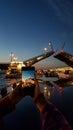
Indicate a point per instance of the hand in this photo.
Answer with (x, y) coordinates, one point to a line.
(39, 98)
(37, 89)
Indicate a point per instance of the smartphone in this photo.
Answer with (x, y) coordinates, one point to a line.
(28, 82)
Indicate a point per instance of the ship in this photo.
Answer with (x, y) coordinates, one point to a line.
(13, 71)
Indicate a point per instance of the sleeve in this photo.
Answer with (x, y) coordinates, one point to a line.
(52, 119)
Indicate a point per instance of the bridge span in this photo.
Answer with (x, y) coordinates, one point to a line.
(65, 57)
(38, 58)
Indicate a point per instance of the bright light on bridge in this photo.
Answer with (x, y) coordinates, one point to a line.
(49, 43)
(45, 49)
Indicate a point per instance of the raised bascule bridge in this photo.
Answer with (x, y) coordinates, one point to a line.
(65, 57)
(38, 58)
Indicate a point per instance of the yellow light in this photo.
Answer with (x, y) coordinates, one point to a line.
(48, 93)
(19, 66)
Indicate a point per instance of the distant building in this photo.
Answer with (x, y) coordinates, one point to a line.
(63, 69)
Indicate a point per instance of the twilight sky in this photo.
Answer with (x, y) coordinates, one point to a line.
(27, 26)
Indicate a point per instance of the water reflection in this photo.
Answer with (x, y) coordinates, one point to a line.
(60, 93)
(48, 87)
(56, 87)
(64, 82)
(60, 90)
(25, 116)
(8, 88)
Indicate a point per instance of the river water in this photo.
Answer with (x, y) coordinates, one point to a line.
(59, 92)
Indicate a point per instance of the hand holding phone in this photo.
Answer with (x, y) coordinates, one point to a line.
(28, 82)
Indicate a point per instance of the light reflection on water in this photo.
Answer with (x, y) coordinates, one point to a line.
(25, 116)
(6, 85)
(59, 92)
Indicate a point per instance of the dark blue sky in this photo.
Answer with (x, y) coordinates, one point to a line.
(27, 26)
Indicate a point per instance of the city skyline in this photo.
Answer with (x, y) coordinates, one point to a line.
(27, 27)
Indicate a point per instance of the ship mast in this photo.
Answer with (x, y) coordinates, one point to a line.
(11, 56)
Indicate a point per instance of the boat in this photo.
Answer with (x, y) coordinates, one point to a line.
(13, 71)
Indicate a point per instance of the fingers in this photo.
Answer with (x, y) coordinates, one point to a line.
(37, 89)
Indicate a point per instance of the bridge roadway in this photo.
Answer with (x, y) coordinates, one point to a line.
(65, 57)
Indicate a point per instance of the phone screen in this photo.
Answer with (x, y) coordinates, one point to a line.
(28, 83)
